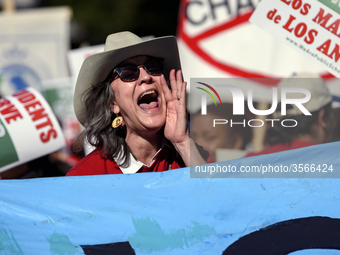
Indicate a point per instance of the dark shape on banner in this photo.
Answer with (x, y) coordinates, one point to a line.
(288, 236)
(121, 248)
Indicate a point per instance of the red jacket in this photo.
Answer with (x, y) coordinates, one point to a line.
(166, 159)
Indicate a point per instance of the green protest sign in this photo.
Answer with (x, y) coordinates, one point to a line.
(28, 128)
(333, 4)
(8, 153)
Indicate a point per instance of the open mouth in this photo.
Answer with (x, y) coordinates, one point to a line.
(148, 100)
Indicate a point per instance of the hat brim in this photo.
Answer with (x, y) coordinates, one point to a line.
(97, 67)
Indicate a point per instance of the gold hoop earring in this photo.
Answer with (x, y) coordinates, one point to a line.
(117, 121)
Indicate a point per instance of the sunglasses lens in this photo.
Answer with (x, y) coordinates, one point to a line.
(128, 72)
(155, 66)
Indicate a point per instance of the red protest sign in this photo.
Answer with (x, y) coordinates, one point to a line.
(220, 37)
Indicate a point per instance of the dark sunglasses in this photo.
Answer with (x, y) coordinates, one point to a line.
(130, 72)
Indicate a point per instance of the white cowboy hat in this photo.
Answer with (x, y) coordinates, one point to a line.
(320, 95)
(119, 47)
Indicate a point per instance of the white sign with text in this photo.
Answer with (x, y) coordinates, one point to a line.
(28, 128)
(308, 26)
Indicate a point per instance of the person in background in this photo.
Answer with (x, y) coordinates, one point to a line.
(129, 114)
(336, 130)
(310, 129)
(235, 138)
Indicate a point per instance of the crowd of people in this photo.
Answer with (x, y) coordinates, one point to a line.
(308, 130)
(131, 100)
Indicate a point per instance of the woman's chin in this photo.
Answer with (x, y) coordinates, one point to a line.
(155, 125)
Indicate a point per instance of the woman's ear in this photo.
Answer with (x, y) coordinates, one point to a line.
(114, 107)
(321, 118)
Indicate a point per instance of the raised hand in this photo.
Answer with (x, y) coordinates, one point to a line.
(176, 125)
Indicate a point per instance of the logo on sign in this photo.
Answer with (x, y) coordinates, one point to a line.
(21, 69)
(238, 99)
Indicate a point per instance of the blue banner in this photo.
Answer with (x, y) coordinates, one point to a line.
(171, 213)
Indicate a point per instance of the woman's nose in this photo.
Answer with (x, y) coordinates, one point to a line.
(144, 76)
